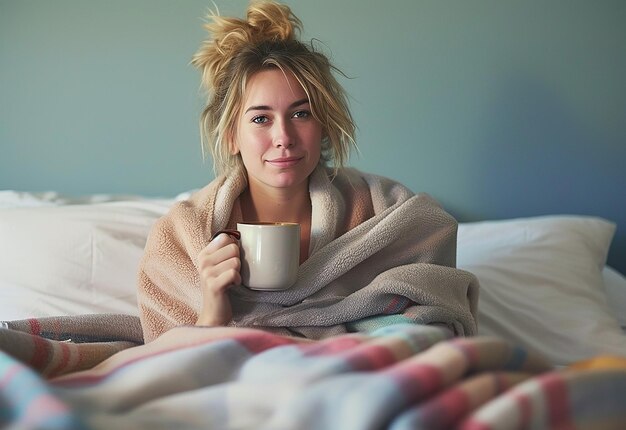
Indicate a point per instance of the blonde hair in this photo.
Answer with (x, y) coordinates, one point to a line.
(237, 49)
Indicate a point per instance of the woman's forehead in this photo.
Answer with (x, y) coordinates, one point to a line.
(273, 87)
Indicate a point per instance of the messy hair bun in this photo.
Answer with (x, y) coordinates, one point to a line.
(238, 48)
(265, 22)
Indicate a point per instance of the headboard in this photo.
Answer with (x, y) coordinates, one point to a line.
(499, 110)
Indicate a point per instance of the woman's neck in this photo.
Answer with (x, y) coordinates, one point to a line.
(275, 205)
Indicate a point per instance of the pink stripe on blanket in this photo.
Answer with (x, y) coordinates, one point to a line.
(446, 410)
(555, 393)
(35, 326)
(44, 409)
(557, 398)
(449, 408)
(63, 362)
(469, 350)
(40, 345)
(41, 351)
(371, 357)
(475, 425)
(332, 346)
(354, 350)
(258, 341)
(418, 381)
(396, 305)
(9, 374)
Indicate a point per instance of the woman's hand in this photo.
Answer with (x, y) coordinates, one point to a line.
(218, 267)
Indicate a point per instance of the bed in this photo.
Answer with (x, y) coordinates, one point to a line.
(551, 349)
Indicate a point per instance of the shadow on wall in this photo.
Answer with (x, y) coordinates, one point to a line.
(539, 156)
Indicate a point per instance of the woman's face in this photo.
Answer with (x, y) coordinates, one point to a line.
(277, 136)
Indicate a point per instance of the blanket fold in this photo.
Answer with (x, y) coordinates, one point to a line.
(376, 248)
(58, 345)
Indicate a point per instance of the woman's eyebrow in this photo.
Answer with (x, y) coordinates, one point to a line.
(266, 107)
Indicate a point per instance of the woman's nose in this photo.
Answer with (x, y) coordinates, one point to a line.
(283, 135)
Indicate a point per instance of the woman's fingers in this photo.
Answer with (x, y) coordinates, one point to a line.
(219, 264)
(222, 248)
(223, 274)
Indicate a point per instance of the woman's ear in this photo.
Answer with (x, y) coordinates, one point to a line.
(233, 147)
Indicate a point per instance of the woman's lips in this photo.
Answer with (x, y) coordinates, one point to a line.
(284, 161)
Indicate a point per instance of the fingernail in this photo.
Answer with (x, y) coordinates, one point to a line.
(231, 233)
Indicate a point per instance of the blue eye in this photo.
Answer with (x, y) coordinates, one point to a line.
(301, 114)
(261, 119)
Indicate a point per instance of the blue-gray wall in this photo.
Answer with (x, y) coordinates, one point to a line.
(497, 108)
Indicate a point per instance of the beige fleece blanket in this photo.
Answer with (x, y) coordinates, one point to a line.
(379, 254)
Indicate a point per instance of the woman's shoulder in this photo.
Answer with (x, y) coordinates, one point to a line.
(382, 189)
(356, 177)
(349, 172)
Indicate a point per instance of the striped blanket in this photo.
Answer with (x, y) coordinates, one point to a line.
(403, 376)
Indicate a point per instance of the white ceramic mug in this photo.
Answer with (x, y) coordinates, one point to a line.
(270, 254)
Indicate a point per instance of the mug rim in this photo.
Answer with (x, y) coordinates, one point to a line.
(268, 224)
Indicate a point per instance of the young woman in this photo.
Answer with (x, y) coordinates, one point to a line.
(279, 129)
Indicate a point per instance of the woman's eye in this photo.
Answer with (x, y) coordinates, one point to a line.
(261, 119)
(301, 114)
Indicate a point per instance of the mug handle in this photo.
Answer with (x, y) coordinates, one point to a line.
(232, 233)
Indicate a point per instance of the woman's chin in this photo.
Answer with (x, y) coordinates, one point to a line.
(287, 180)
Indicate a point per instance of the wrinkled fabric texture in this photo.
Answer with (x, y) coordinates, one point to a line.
(400, 377)
(376, 249)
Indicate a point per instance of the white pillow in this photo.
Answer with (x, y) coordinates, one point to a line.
(73, 259)
(541, 284)
(22, 199)
(615, 286)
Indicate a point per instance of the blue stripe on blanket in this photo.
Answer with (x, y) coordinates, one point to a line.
(370, 324)
(518, 357)
(26, 401)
